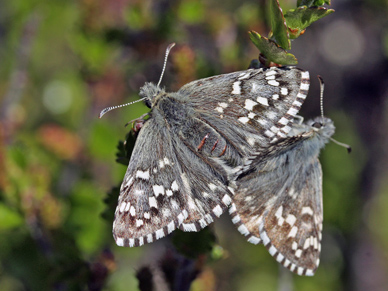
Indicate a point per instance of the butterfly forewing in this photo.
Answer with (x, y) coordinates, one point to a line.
(151, 203)
(169, 184)
(251, 108)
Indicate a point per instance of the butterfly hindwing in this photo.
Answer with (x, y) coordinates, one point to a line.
(278, 201)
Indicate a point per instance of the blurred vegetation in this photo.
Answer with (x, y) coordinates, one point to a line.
(64, 61)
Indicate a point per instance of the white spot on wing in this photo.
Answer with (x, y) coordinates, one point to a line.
(189, 227)
(272, 250)
(265, 238)
(251, 115)
(174, 186)
(152, 202)
(217, 211)
(249, 104)
(171, 227)
(251, 141)
(212, 186)
(269, 133)
(283, 121)
(307, 210)
(243, 76)
(262, 101)
(279, 257)
(181, 218)
(232, 208)
(273, 83)
(236, 88)
(159, 233)
(236, 219)
(255, 88)
(278, 215)
(120, 242)
(158, 190)
(174, 204)
(254, 240)
(306, 244)
(219, 109)
(293, 231)
(141, 241)
(309, 272)
(226, 199)
(122, 206)
(300, 271)
(270, 72)
(292, 111)
(304, 86)
(132, 211)
(243, 230)
(143, 175)
(243, 120)
(131, 242)
(291, 219)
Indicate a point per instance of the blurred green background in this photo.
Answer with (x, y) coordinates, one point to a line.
(61, 62)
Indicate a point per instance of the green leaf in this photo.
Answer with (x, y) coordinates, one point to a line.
(299, 19)
(9, 218)
(271, 50)
(278, 25)
(310, 3)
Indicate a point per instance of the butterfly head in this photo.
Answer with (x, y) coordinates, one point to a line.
(149, 92)
(323, 126)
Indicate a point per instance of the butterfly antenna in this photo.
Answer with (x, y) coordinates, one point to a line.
(346, 146)
(170, 46)
(322, 85)
(102, 113)
(321, 104)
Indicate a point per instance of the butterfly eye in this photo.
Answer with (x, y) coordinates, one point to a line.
(147, 102)
(317, 125)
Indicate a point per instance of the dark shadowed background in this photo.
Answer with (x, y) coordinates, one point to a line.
(61, 62)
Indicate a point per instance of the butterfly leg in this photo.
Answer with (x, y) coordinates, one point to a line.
(298, 119)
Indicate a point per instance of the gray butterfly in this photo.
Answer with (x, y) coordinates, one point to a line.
(186, 151)
(279, 197)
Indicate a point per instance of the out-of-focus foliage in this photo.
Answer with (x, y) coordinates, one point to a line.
(64, 61)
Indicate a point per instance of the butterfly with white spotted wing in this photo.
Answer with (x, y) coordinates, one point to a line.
(188, 149)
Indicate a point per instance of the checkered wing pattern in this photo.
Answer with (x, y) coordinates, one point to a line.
(164, 187)
(279, 197)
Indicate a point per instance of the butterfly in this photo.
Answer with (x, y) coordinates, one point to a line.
(279, 198)
(188, 149)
